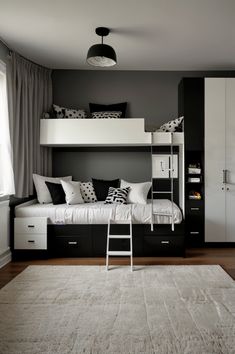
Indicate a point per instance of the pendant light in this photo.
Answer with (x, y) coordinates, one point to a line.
(102, 55)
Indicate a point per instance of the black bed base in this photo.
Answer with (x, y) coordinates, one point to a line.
(90, 240)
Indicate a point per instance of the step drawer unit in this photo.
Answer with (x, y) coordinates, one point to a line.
(195, 223)
(30, 233)
(163, 241)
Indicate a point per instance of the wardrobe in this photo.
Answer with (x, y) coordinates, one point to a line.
(208, 107)
(219, 159)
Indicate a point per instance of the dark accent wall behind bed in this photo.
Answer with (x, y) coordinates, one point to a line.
(152, 95)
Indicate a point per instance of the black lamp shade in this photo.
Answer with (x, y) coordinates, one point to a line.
(101, 55)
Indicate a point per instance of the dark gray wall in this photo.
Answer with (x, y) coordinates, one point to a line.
(106, 164)
(152, 95)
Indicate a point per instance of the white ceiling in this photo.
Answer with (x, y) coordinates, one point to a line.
(146, 34)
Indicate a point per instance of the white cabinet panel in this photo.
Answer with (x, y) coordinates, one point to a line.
(161, 166)
(230, 159)
(214, 159)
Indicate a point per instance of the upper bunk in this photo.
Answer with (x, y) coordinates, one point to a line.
(102, 132)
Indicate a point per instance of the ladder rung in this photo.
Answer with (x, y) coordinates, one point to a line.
(161, 214)
(162, 192)
(119, 253)
(119, 236)
(120, 222)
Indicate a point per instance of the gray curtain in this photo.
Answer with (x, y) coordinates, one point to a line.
(29, 95)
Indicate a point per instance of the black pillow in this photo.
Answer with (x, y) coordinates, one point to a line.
(95, 107)
(56, 192)
(101, 187)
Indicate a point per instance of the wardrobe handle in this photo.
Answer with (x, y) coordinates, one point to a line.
(195, 209)
(225, 176)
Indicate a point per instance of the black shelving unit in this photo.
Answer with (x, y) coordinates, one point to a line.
(191, 106)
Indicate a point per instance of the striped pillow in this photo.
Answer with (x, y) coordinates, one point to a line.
(117, 195)
(106, 115)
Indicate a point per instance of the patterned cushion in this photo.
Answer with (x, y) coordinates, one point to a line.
(88, 192)
(171, 126)
(117, 195)
(58, 111)
(95, 107)
(73, 113)
(106, 114)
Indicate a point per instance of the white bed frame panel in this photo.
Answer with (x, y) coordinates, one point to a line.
(118, 132)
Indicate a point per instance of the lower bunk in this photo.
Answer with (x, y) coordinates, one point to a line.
(81, 230)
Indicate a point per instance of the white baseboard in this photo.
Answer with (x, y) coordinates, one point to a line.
(5, 258)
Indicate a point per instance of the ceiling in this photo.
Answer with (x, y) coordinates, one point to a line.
(146, 34)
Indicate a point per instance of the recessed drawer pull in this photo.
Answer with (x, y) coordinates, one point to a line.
(165, 242)
(195, 209)
(32, 226)
(31, 241)
(194, 232)
(72, 242)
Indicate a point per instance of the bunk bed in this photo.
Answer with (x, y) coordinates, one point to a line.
(81, 230)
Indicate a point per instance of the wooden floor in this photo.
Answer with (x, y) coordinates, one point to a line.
(222, 256)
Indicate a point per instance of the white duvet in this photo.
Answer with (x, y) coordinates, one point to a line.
(99, 213)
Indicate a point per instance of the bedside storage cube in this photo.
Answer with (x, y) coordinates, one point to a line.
(30, 233)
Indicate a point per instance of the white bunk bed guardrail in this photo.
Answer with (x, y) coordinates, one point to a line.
(110, 132)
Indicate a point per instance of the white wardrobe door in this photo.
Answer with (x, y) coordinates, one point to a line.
(230, 160)
(214, 159)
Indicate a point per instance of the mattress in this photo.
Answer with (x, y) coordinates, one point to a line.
(99, 213)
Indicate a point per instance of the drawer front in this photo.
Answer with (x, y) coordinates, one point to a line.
(194, 210)
(30, 242)
(30, 226)
(71, 246)
(195, 234)
(163, 246)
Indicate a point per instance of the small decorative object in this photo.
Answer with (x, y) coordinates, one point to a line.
(195, 195)
(194, 169)
(102, 55)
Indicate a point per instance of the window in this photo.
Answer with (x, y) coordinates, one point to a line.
(6, 171)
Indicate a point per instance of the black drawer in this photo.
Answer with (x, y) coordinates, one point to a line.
(71, 246)
(194, 210)
(163, 246)
(99, 239)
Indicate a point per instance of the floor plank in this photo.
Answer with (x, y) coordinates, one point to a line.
(200, 256)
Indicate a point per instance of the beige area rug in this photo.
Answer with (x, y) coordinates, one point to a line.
(155, 309)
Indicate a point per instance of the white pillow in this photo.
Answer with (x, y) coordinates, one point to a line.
(43, 193)
(72, 192)
(138, 191)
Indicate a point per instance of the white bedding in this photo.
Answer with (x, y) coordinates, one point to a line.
(99, 213)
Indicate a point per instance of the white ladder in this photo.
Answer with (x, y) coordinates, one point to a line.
(120, 237)
(171, 191)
